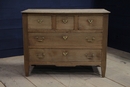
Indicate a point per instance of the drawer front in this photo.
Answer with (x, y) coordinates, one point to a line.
(91, 22)
(39, 21)
(64, 40)
(64, 55)
(65, 22)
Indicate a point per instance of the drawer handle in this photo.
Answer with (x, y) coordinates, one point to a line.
(39, 21)
(41, 56)
(65, 21)
(90, 21)
(65, 53)
(39, 39)
(90, 56)
(90, 40)
(65, 37)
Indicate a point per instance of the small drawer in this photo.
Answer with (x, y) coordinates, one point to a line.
(82, 55)
(55, 55)
(39, 21)
(64, 22)
(65, 40)
(91, 22)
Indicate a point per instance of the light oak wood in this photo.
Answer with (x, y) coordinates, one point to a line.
(25, 42)
(66, 63)
(91, 21)
(67, 55)
(65, 11)
(64, 31)
(65, 37)
(76, 22)
(104, 45)
(64, 22)
(39, 21)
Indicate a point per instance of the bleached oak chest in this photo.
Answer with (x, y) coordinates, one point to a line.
(65, 37)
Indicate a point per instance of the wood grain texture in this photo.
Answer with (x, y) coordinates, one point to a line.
(66, 55)
(76, 22)
(65, 37)
(65, 22)
(64, 31)
(25, 42)
(39, 21)
(91, 21)
(65, 11)
(104, 41)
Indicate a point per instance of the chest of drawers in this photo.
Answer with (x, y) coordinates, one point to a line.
(65, 37)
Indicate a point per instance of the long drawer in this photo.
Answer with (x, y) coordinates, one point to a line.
(72, 40)
(55, 55)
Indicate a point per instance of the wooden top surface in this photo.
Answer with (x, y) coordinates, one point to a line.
(65, 11)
